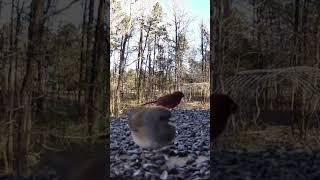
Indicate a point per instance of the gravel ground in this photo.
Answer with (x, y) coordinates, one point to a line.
(47, 176)
(274, 163)
(188, 158)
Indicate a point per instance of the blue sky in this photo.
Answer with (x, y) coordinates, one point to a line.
(199, 8)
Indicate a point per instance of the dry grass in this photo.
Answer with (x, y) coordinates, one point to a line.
(271, 135)
(183, 104)
(195, 105)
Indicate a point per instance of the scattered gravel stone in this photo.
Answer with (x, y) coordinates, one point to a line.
(35, 177)
(164, 175)
(269, 164)
(188, 158)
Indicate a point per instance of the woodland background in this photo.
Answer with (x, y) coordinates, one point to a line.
(266, 55)
(53, 77)
(152, 52)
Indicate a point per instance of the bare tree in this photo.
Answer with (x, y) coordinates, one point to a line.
(82, 54)
(24, 124)
(180, 23)
(88, 61)
(96, 90)
(221, 11)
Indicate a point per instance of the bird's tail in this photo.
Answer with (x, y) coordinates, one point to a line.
(149, 102)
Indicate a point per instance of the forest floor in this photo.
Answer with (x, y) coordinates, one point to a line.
(58, 165)
(193, 104)
(58, 142)
(260, 138)
(272, 153)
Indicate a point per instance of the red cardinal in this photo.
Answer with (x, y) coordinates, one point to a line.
(169, 101)
(223, 107)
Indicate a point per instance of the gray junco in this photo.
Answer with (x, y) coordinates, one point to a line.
(151, 127)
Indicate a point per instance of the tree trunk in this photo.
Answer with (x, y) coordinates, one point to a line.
(221, 11)
(202, 53)
(139, 63)
(96, 90)
(177, 54)
(120, 74)
(88, 62)
(106, 81)
(10, 93)
(24, 124)
(82, 56)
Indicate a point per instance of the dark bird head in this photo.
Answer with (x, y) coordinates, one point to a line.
(178, 94)
(222, 107)
(221, 101)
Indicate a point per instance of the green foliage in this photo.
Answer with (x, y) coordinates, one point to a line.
(125, 23)
(156, 13)
(183, 43)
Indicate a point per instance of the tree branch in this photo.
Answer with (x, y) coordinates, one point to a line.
(62, 9)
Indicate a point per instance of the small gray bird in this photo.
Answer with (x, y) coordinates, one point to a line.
(151, 127)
